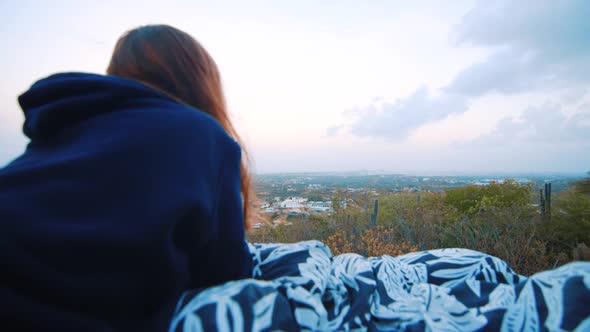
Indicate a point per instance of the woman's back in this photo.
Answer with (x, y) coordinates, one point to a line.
(123, 199)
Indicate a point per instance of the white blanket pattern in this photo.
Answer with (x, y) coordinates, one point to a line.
(301, 286)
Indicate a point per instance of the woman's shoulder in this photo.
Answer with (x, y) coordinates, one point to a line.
(165, 130)
(174, 120)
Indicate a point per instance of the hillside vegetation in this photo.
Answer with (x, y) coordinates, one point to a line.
(500, 219)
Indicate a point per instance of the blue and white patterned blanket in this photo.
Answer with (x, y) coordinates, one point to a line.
(301, 286)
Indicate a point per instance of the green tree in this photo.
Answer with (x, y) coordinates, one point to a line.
(570, 219)
(473, 199)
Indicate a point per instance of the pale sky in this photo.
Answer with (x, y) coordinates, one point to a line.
(334, 85)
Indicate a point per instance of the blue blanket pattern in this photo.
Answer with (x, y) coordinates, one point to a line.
(301, 286)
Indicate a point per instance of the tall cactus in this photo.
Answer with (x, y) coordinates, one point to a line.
(548, 198)
(545, 200)
(542, 201)
(374, 214)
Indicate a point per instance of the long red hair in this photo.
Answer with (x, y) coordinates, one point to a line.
(173, 62)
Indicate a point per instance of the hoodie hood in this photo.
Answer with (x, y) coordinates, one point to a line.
(61, 100)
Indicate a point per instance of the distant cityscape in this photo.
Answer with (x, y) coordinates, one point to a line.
(285, 195)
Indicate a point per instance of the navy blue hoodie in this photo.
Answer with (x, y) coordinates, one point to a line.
(123, 199)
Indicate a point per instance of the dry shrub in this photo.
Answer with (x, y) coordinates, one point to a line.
(383, 241)
(373, 242)
(508, 233)
(341, 242)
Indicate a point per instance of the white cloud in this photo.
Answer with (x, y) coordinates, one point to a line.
(537, 49)
(542, 126)
(540, 44)
(397, 119)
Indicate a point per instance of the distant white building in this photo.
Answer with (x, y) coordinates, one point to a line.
(320, 206)
(293, 203)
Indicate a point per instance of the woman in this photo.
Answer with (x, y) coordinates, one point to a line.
(130, 192)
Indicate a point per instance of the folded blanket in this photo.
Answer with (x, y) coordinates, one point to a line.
(301, 286)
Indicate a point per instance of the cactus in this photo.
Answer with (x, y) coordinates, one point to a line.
(548, 198)
(374, 214)
(542, 201)
(545, 199)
